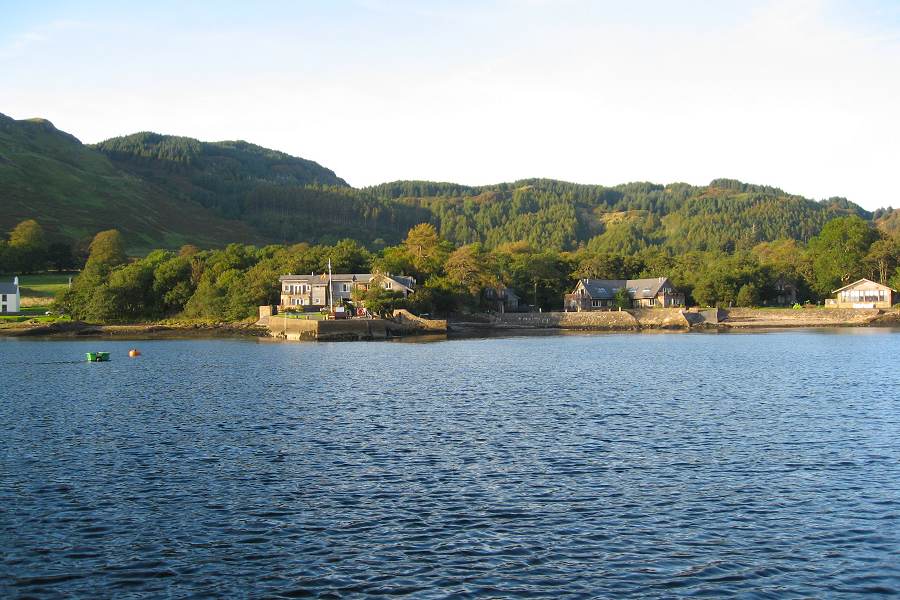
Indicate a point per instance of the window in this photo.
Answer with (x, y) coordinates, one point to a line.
(345, 287)
(596, 303)
(652, 301)
(3, 298)
(387, 285)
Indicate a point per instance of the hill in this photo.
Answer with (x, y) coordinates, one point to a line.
(164, 191)
(75, 191)
(283, 198)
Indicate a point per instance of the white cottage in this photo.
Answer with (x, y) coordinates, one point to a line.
(9, 296)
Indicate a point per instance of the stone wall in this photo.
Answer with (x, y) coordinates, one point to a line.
(348, 329)
(802, 317)
(406, 318)
(292, 329)
(614, 320)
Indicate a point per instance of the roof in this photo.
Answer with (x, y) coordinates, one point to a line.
(864, 280)
(8, 288)
(363, 277)
(605, 289)
(408, 282)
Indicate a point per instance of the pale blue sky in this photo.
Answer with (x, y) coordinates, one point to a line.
(801, 94)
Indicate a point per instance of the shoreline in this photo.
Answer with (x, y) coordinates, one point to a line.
(662, 320)
(79, 329)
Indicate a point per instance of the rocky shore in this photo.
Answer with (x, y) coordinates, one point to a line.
(78, 329)
(686, 320)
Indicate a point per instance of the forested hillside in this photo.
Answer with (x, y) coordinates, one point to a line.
(725, 215)
(164, 191)
(75, 191)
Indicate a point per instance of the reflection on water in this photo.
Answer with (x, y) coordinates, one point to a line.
(568, 465)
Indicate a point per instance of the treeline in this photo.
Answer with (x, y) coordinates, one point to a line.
(725, 216)
(28, 250)
(229, 284)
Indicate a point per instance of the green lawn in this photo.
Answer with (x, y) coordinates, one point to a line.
(44, 285)
(36, 314)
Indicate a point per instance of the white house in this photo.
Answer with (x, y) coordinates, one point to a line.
(9, 296)
(312, 289)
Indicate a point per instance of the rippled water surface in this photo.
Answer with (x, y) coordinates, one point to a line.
(654, 465)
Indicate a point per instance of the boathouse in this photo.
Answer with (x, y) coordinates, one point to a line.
(864, 293)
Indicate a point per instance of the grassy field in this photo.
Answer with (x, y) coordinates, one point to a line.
(35, 314)
(40, 290)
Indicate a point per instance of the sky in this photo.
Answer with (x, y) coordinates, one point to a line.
(799, 94)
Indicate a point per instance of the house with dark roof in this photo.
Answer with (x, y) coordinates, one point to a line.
(863, 293)
(501, 298)
(9, 296)
(315, 290)
(600, 294)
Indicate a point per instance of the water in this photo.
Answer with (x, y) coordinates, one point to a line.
(653, 465)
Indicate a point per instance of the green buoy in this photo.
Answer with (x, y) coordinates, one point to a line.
(97, 356)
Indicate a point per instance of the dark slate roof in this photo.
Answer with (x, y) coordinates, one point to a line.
(409, 282)
(8, 287)
(605, 289)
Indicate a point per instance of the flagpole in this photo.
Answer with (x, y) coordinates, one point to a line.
(330, 287)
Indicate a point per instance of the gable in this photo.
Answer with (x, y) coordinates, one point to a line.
(864, 284)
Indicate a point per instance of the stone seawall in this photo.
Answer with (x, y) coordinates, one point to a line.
(675, 318)
(801, 317)
(350, 329)
(613, 320)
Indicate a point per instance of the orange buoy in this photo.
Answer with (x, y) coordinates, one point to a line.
(134, 352)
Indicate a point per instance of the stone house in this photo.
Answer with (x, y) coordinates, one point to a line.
(501, 298)
(599, 294)
(313, 290)
(864, 293)
(785, 292)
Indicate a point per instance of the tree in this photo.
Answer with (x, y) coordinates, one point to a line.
(379, 301)
(427, 251)
(27, 250)
(882, 258)
(28, 234)
(748, 295)
(468, 268)
(107, 250)
(622, 299)
(348, 256)
(838, 252)
(61, 257)
(601, 266)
